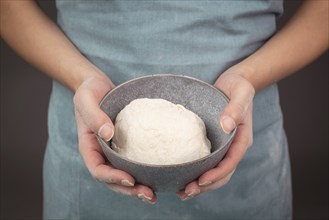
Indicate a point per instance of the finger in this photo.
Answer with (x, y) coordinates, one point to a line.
(193, 189)
(217, 184)
(182, 195)
(92, 155)
(241, 93)
(141, 192)
(100, 171)
(240, 144)
(87, 104)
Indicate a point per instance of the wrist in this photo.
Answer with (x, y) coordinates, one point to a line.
(254, 70)
(85, 74)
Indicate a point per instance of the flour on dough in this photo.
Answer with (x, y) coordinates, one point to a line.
(158, 132)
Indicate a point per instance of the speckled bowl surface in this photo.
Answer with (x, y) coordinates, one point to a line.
(201, 98)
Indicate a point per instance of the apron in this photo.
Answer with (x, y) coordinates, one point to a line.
(201, 39)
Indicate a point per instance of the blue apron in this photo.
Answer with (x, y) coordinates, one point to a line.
(128, 39)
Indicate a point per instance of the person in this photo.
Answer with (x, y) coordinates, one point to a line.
(231, 44)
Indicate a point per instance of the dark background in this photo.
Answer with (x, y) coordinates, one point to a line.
(24, 103)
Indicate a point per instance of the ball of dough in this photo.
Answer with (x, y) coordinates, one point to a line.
(158, 132)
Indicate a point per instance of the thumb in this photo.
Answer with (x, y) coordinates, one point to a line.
(241, 94)
(87, 106)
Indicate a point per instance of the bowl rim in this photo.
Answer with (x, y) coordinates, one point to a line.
(232, 134)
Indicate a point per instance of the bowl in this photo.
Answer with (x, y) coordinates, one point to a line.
(200, 97)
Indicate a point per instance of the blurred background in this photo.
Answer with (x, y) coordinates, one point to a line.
(24, 103)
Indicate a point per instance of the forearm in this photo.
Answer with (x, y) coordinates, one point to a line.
(40, 42)
(302, 40)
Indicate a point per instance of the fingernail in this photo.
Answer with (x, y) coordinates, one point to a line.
(126, 183)
(193, 192)
(182, 197)
(145, 198)
(228, 124)
(205, 183)
(106, 132)
(186, 198)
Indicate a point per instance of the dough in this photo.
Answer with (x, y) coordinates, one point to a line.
(158, 132)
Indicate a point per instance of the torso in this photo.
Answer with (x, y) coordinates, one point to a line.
(127, 39)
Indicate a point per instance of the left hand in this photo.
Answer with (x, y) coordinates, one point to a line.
(238, 113)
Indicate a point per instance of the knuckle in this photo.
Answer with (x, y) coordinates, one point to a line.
(239, 107)
(238, 111)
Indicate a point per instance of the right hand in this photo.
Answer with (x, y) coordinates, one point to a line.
(91, 120)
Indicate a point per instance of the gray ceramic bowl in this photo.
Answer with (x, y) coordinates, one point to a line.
(197, 96)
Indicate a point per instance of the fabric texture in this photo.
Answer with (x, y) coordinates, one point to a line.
(128, 39)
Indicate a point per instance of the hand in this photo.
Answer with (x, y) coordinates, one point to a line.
(90, 120)
(237, 113)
